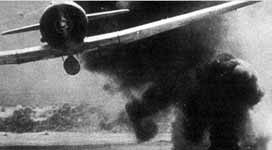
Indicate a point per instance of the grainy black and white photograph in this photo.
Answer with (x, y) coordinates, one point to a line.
(136, 75)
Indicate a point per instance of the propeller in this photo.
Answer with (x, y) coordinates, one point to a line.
(63, 25)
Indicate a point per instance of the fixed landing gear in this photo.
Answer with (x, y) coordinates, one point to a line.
(71, 65)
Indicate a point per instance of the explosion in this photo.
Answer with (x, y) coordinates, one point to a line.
(227, 89)
(181, 68)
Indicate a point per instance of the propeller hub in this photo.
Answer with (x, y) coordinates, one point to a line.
(63, 24)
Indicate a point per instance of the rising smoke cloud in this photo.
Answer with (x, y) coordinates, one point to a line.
(165, 64)
(158, 59)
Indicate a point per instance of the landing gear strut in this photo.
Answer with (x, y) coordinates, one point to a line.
(71, 65)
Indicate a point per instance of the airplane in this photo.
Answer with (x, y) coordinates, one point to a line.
(63, 28)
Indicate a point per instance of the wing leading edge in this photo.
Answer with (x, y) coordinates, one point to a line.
(29, 54)
(147, 30)
(120, 37)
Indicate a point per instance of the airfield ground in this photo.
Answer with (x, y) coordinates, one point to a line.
(80, 141)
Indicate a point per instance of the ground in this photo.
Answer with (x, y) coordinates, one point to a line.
(80, 141)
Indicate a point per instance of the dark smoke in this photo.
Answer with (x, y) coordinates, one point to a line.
(164, 61)
(168, 64)
(226, 89)
(162, 58)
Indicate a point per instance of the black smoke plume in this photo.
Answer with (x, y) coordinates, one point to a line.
(164, 61)
(226, 89)
(167, 62)
(160, 59)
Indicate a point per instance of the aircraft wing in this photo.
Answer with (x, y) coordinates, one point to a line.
(29, 54)
(22, 29)
(94, 16)
(147, 30)
(120, 37)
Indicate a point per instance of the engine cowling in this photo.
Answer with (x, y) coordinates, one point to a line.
(63, 26)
